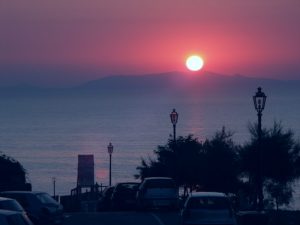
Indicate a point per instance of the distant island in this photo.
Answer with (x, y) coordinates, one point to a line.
(204, 83)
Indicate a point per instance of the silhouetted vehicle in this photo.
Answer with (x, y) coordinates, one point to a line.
(124, 196)
(8, 217)
(157, 192)
(39, 206)
(204, 208)
(104, 202)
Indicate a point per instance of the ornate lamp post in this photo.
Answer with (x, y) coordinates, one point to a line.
(259, 100)
(174, 119)
(110, 149)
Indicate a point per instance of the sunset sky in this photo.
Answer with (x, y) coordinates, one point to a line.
(66, 42)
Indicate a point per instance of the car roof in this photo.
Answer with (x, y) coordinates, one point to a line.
(207, 194)
(8, 212)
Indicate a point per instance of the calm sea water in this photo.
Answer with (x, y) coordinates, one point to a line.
(46, 133)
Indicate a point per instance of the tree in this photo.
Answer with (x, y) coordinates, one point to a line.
(210, 166)
(280, 157)
(218, 164)
(221, 163)
(178, 160)
(12, 174)
(279, 193)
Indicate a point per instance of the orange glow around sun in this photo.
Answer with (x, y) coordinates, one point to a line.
(194, 63)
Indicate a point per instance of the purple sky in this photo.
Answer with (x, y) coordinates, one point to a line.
(65, 42)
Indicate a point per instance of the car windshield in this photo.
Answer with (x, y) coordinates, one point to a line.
(160, 183)
(11, 205)
(214, 203)
(46, 198)
(128, 188)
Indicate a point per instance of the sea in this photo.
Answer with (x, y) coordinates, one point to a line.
(47, 132)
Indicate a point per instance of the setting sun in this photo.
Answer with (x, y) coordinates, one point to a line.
(194, 63)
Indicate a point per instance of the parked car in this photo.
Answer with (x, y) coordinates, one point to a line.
(157, 192)
(11, 204)
(104, 202)
(8, 217)
(207, 208)
(124, 196)
(40, 206)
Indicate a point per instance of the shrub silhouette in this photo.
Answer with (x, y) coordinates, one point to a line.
(12, 175)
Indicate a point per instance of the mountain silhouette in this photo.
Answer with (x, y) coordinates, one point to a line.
(202, 83)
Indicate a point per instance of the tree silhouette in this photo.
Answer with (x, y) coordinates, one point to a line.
(12, 174)
(221, 163)
(178, 160)
(280, 161)
(218, 164)
(278, 193)
(211, 165)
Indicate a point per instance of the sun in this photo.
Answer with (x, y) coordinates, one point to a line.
(194, 63)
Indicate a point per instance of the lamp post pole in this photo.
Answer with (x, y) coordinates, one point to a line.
(110, 149)
(174, 119)
(259, 100)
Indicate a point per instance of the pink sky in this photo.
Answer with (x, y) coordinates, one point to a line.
(40, 40)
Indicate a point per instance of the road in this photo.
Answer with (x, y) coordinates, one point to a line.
(122, 218)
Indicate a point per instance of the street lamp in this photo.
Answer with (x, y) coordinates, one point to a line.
(259, 100)
(174, 119)
(110, 149)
